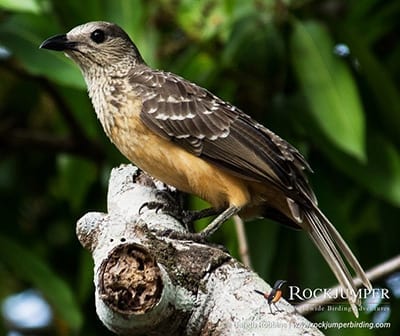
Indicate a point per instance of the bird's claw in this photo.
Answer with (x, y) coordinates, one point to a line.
(167, 204)
(152, 205)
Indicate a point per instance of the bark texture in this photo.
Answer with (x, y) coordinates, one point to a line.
(148, 283)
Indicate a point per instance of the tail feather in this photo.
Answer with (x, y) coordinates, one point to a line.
(345, 249)
(329, 242)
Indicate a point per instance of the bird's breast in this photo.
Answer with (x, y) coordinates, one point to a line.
(119, 115)
(171, 164)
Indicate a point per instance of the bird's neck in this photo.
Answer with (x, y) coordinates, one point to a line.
(99, 89)
(98, 74)
(108, 93)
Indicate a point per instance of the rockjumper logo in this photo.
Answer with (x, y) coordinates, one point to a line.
(274, 295)
(298, 294)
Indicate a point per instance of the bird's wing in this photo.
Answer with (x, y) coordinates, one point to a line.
(217, 131)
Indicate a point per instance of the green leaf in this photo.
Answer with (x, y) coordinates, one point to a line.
(23, 33)
(201, 61)
(380, 176)
(329, 88)
(262, 237)
(75, 177)
(31, 6)
(133, 17)
(35, 271)
(381, 83)
(204, 20)
(85, 277)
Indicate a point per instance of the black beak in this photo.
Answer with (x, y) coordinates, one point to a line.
(58, 42)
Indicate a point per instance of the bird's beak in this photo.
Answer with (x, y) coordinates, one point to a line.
(59, 43)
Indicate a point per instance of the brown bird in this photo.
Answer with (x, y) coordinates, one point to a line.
(187, 137)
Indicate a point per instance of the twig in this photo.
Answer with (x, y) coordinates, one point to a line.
(242, 241)
(11, 139)
(373, 274)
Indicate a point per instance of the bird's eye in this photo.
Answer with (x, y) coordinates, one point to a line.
(98, 36)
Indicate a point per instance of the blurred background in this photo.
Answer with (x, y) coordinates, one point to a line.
(325, 75)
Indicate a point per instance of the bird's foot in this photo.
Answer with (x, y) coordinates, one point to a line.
(277, 309)
(184, 217)
(197, 237)
(166, 203)
(203, 235)
(170, 207)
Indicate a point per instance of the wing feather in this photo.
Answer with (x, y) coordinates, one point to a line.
(219, 132)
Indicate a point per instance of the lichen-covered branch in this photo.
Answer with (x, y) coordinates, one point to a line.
(148, 283)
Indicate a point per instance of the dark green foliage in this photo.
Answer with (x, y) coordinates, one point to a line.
(273, 59)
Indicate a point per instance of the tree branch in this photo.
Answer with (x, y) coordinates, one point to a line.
(15, 138)
(242, 241)
(148, 283)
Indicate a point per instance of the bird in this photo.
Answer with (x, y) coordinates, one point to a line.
(187, 137)
(274, 295)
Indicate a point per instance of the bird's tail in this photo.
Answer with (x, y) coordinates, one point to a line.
(336, 252)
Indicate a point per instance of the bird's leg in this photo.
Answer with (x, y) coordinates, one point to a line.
(194, 215)
(190, 216)
(209, 230)
(218, 221)
(277, 309)
(187, 217)
(270, 309)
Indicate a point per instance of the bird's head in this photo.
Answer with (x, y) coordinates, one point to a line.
(96, 45)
